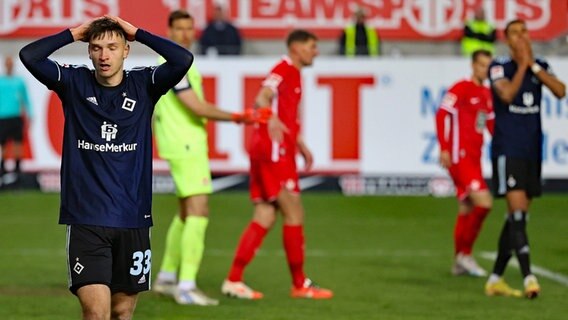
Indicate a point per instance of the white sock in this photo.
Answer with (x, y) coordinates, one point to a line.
(493, 278)
(185, 285)
(527, 278)
(167, 276)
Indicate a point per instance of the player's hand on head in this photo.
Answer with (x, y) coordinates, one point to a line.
(79, 31)
(129, 29)
(276, 129)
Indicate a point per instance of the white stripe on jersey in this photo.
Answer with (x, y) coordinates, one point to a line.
(275, 152)
(67, 237)
(456, 137)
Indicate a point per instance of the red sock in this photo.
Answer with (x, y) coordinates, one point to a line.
(293, 237)
(475, 221)
(251, 240)
(459, 232)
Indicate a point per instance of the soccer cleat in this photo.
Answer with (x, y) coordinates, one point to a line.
(238, 289)
(457, 269)
(166, 288)
(501, 288)
(194, 297)
(468, 263)
(311, 291)
(532, 288)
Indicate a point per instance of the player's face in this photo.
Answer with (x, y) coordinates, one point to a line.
(107, 54)
(307, 51)
(182, 32)
(480, 67)
(517, 31)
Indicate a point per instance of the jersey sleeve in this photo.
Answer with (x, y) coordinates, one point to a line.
(275, 77)
(496, 72)
(443, 117)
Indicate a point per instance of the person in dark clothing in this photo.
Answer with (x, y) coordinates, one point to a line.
(220, 35)
(106, 166)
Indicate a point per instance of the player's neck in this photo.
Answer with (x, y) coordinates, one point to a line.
(476, 80)
(111, 81)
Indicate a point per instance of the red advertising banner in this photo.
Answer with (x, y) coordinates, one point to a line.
(394, 19)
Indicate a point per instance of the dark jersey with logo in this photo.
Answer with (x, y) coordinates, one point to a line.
(518, 129)
(106, 167)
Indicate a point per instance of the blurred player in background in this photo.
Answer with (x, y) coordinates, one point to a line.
(181, 135)
(106, 166)
(273, 174)
(465, 112)
(517, 82)
(13, 101)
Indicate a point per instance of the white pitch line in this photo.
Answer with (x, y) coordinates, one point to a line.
(538, 270)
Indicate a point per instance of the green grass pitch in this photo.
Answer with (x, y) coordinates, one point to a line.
(385, 258)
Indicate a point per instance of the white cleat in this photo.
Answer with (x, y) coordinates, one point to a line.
(166, 288)
(194, 297)
(457, 269)
(240, 290)
(468, 263)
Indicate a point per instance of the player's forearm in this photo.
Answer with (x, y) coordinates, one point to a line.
(557, 87)
(35, 55)
(507, 90)
(178, 59)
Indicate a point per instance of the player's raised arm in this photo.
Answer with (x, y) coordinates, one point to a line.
(557, 87)
(178, 59)
(35, 55)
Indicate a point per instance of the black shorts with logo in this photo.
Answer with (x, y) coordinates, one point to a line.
(117, 257)
(516, 174)
(11, 129)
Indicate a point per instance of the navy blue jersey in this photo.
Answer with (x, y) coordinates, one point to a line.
(106, 167)
(518, 129)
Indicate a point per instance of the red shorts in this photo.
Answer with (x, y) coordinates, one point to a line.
(267, 178)
(467, 177)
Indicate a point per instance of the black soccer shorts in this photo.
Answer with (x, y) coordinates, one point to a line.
(516, 174)
(117, 257)
(11, 129)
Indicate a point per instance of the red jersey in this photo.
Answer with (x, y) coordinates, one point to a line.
(286, 83)
(465, 112)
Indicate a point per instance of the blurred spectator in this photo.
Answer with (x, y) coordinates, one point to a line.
(13, 98)
(478, 34)
(220, 35)
(358, 38)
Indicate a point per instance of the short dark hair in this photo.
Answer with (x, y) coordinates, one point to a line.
(104, 26)
(178, 14)
(300, 35)
(480, 52)
(512, 22)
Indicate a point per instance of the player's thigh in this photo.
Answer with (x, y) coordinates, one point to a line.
(509, 174)
(195, 205)
(95, 300)
(264, 183)
(89, 256)
(132, 260)
(290, 204)
(123, 305)
(534, 179)
(191, 175)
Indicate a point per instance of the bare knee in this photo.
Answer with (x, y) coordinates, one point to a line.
(264, 214)
(95, 314)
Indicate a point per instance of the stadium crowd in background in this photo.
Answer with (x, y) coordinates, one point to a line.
(359, 39)
(220, 36)
(106, 166)
(516, 149)
(478, 34)
(274, 184)
(181, 135)
(14, 104)
(461, 120)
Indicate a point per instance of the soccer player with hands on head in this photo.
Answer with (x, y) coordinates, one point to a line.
(517, 81)
(461, 120)
(106, 167)
(274, 181)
